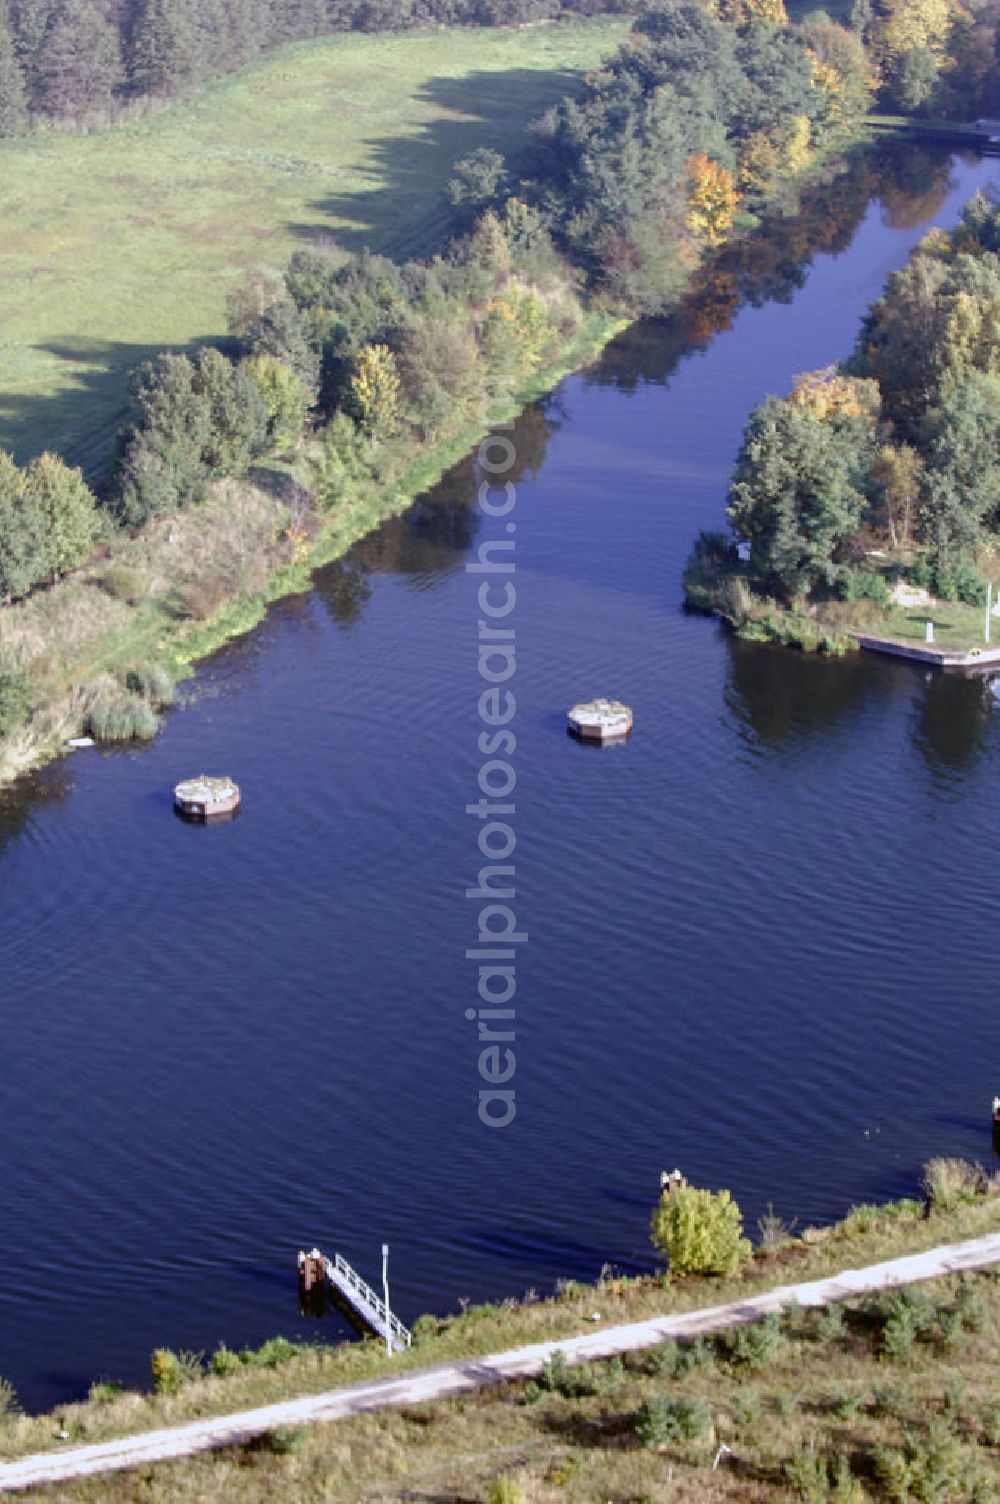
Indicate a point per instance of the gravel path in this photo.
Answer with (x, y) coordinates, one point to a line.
(449, 1379)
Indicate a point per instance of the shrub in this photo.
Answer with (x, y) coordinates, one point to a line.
(118, 715)
(555, 1374)
(713, 560)
(970, 1305)
(15, 698)
(664, 1420)
(951, 1182)
(860, 1222)
(774, 1231)
(696, 1356)
(786, 1404)
(864, 585)
(9, 1403)
(285, 1441)
(171, 1371)
(956, 1392)
(846, 1488)
(273, 1353)
(894, 1400)
(931, 1467)
(504, 1490)
(225, 1362)
(952, 1330)
(203, 598)
(666, 1359)
(898, 1337)
(608, 1377)
(809, 1475)
(747, 1408)
(103, 1392)
(990, 1420)
(122, 583)
(905, 1315)
(753, 1346)
(962, 581)
(845, 1404)
(153, 683)
(830, 1324)
(564, 1470)
(701, 1232)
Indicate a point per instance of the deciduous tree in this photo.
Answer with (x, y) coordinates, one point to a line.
(374, 391)
(712, 199)
(67, 509)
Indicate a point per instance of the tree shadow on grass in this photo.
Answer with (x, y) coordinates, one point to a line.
(79, 418)
(408, 213)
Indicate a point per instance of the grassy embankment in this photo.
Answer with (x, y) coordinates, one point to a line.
(828, 626)
(187, 584)
(126, 242)
(837, 1388)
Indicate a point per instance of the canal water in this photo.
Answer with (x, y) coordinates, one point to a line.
(761, 936)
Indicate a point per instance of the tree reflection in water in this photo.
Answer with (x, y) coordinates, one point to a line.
(781, 699)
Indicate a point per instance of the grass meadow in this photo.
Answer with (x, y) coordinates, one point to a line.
(125, 242)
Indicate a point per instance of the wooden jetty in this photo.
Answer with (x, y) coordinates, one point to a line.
(322, 1280)
(207, 798)
(983, 659)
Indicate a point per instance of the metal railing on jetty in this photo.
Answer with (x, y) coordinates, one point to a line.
(319, 1276)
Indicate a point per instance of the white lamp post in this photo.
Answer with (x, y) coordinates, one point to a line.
(385, 1290)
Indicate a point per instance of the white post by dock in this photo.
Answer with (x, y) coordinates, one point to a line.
(989, 604)
(929, 634)
(385, 1291)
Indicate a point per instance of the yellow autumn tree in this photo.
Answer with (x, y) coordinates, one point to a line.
(912, 25)
(830, 84)
(515, 330)
(796, 144)
(374, 391)
(759, 164)
(712, 198)
(896, 470)
(742, 12)
(829, 395)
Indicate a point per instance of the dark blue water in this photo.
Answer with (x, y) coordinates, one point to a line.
(761, 935)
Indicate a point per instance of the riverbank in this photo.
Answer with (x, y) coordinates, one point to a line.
(587, 1320)
(185, 585)
(835, 627)
(549, 1365)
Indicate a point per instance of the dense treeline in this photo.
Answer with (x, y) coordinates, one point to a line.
(713, 108)
(894, 457)
(933, 57)
(701, 120)
(383, 358)
(76, 60)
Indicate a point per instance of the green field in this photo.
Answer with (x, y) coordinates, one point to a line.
(119, 244)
